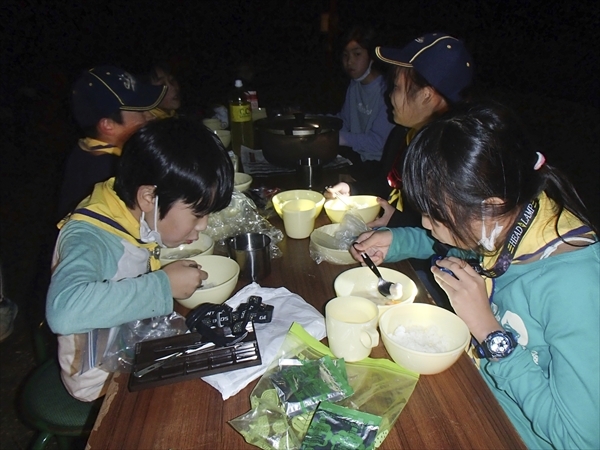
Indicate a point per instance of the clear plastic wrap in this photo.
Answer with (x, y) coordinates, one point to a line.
(241, 216)
(113, 349)
(330, 243)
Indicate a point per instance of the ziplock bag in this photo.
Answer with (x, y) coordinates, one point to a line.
(381, 388)
(113, 349)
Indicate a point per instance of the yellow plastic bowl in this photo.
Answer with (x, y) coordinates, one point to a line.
(362, 282)
(297, 194)
(241, 181)
(223, 275)
(225, 136)
(204, 245)
(366, 206)
(318, 240)
(448, 329)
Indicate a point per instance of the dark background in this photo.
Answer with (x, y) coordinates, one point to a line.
(538, 56)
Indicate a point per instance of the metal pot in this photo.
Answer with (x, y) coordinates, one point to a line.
(288, 139)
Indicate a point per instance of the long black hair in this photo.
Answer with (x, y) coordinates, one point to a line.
(474, 153)
(183, 159)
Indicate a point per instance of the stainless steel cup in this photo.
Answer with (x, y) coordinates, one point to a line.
(253, 254)
(309, 172)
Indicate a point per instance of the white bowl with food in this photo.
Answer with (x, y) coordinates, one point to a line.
(204, 245)
(424, 338)
(297, 194)
(241, 181)
(362, 282)
(365, 206)
(223, 274)
(323, 242)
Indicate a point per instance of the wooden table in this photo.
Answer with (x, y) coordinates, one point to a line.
(454, 409)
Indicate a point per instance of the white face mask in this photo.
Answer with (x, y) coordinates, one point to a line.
(489, 242)
(147, 234)
(366, 74)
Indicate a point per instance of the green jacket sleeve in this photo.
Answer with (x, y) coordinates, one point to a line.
(98, 283)
(554, 377)
(409, 243)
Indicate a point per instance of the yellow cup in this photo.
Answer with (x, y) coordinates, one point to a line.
(299, 218)
(351, 327)
(213, 124)
(259, 113)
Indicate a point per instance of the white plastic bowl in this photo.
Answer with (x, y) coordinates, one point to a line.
(366, 206)
(318, 240)
(297, 194)
(451, 329)
(204, 245)
(362, 282)
(241, 181)
(223, 275)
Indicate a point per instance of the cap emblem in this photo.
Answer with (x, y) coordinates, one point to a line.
(127, 80)
(420, 40)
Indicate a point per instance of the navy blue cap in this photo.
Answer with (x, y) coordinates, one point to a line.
(104, 90)
(441, 59)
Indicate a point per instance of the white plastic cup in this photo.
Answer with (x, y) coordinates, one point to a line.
(299, 218)
(351, 327)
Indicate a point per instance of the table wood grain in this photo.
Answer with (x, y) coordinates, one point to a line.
(453, 409)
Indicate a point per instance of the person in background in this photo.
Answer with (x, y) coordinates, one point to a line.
(364, 112)
(431, 75)
(531, 296)
(8, 311)
(161, 74)
(109, 105)
(173, 173)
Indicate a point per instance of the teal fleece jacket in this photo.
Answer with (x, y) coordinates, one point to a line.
(101, 281)
(550, 385)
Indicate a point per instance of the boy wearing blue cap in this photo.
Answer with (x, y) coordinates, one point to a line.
(109, 105)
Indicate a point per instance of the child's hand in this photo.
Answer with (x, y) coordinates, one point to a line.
(388, 212)
(340, 189)
(185, 277)
(374, 243)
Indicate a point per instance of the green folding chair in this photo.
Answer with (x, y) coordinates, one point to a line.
(45, 404)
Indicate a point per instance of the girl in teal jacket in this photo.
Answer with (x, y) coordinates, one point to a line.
(531, 297)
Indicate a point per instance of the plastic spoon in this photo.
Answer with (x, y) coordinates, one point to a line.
(341, 198)
(385, 288)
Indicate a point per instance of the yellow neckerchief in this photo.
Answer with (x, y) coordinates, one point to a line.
(95, 146)
(540, 233)
(160, 113)
(104, 202)
(396, 195)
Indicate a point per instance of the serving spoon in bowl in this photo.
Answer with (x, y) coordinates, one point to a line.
(390, 290)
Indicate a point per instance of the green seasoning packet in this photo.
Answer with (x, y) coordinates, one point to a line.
(302, 386)
(337, 427)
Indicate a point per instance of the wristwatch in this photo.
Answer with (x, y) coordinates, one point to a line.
(497, 345)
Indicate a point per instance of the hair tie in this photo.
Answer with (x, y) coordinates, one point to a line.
(541, 159)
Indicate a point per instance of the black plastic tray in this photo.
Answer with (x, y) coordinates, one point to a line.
(195, 365)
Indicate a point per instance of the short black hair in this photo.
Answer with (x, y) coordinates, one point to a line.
(183, 159)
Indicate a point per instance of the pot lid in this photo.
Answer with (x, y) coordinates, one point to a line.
(300, 124)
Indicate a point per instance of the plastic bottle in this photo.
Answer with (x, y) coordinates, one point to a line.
(240, 120)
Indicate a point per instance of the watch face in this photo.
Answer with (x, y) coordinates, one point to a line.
(499, 344)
